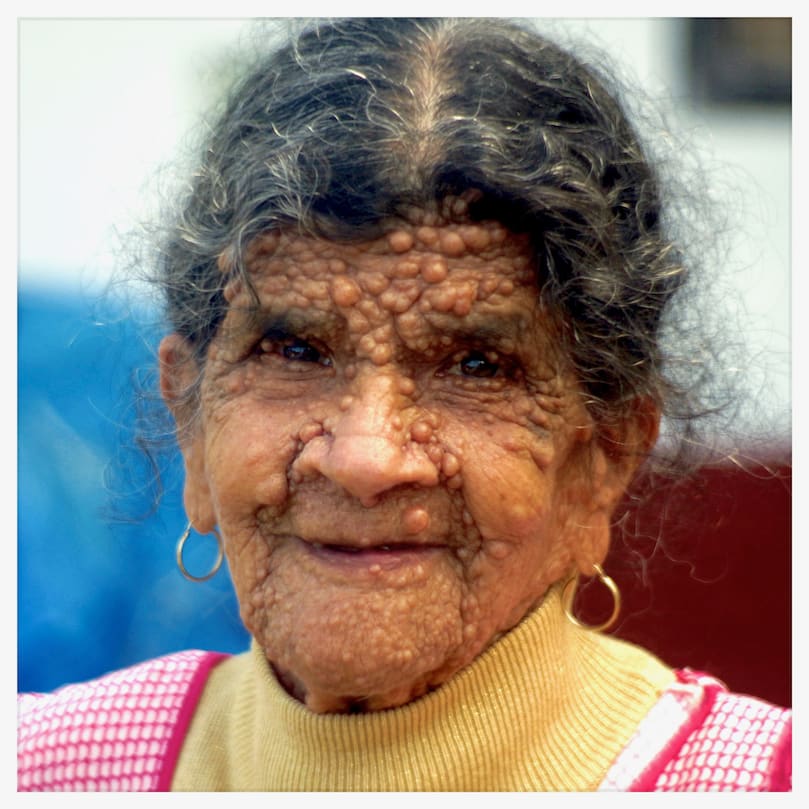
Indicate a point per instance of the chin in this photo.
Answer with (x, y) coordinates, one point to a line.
(328, 688)
(367, 665)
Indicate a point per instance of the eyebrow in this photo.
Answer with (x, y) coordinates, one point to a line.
(289, 320)
(479, 327)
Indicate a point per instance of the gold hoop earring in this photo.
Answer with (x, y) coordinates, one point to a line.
(569, 593)
(216, 565)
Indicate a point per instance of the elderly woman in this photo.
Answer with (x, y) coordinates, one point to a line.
(414, 298)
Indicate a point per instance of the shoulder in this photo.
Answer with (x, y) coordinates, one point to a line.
(121, 731)
(740, 744)
(700, 737)
(226, 711)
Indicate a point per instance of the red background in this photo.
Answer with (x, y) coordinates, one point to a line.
(704, 569)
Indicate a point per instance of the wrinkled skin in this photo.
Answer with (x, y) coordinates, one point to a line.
(397, 457)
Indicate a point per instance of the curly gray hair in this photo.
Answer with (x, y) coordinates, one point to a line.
(355, 121)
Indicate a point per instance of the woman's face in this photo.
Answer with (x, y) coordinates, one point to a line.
(397, 456)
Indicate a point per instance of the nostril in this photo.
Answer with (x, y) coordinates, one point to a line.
(310, 460)
(366, 465)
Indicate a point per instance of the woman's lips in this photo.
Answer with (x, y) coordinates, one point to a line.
(383, 556)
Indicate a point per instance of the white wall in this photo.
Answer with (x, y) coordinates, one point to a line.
(103, 103)
(746, 153)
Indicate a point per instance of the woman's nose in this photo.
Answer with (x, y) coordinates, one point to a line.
(368, 449)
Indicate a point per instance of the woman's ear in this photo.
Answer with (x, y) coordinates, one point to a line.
(627, 443)
(616, 451)
(179, 373)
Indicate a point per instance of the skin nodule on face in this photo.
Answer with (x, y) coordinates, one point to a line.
(395, 454)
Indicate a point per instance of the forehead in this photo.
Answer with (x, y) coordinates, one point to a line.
(418, 291)
(445, 268)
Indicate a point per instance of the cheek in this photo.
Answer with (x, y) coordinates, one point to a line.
(506, 485)
(510, 494)
(248, 451)
(511, 490)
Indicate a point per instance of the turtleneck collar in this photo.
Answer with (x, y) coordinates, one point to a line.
(547, 707)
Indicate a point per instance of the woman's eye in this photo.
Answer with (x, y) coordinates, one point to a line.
(479, 365)
(301, 351)
(294, 349)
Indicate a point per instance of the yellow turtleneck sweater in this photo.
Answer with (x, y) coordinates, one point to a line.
(547, 707)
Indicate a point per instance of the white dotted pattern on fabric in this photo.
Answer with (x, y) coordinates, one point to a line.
(732, 751)
(668, 714)
(109, 734)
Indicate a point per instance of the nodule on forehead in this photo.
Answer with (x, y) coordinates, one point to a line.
(435, 264)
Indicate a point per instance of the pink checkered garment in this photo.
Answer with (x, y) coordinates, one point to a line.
(124, 731)
(119, 733)
(699, 737)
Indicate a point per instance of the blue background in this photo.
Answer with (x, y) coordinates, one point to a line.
(98, 587)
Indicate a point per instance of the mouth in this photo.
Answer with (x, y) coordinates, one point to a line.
(370, 548)
(373, 558)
